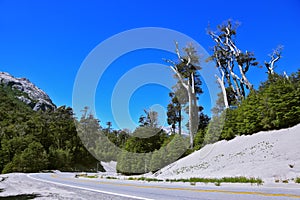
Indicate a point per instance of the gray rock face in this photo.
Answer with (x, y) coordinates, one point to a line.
(33, 96)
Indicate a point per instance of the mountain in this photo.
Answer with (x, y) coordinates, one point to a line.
(29, 93)
(33, 141)
(270, 155)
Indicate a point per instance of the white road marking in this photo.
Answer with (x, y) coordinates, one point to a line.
(89, 189)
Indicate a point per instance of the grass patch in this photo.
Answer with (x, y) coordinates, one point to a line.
(297, 180)
(92, 176)
(149, 179)
(145, 179)
(217, 184)
(110, 177)
(239, 179)
(216, 181)
(85, 176)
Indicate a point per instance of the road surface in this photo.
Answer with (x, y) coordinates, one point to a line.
(167, 191)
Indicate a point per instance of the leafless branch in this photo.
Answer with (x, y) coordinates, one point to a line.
(275, 56)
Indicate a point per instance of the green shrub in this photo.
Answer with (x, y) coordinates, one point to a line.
(217, 184)
(110, 177)
(220, 180)
(194, 180)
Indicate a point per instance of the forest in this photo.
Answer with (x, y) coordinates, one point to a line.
(33, 141)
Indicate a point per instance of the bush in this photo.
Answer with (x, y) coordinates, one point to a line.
(220, 180)
(32, 159)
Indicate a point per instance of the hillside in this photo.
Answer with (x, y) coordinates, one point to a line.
(29, 93)
(32, 141)
(270, 155)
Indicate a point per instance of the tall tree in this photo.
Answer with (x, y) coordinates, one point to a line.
(174, 113)
(150, 120)
(232, 63)
(109, 124)
(186, 72)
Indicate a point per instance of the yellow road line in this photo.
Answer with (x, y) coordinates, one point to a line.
(184, 189)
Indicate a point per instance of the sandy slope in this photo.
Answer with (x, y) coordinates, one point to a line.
(109, 167)
(268, 155)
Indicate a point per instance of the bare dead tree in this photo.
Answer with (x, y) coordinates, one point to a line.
(275, 56)
(185, 72)
(227, 56)
(285, 75)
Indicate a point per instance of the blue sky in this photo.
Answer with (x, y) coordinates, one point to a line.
(47, 41)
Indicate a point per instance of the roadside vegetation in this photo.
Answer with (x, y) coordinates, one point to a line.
(217, 181)
(111, 177)
(84, 175)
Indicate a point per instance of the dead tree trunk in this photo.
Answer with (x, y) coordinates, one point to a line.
(222, 85)
(275, 56)
(179, 121)
(189, 86)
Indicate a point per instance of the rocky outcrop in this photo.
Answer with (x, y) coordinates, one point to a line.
(30, 94)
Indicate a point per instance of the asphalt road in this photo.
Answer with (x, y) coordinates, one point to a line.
(166, 191)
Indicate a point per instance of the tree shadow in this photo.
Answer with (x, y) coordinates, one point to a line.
(20, 197)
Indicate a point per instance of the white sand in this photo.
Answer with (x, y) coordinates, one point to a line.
(271, 155)
(110, 166)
